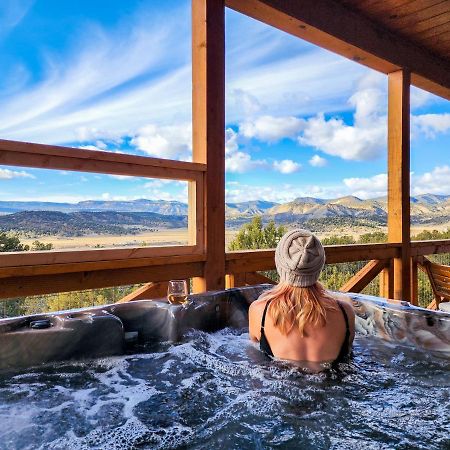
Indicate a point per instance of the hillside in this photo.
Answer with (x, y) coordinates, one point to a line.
(131, 217)
(55, 223)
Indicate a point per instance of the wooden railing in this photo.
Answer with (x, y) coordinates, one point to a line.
(41, 272)
(35, 273)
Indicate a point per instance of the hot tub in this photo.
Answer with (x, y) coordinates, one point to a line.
(170, 376)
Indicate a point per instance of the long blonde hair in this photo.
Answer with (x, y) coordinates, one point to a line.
(294, 306)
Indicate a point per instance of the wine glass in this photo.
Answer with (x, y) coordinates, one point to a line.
(177, 292)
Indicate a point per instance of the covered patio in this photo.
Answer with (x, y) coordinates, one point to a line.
(408, 41)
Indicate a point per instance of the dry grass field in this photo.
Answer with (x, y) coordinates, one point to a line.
(151, 239)
(180, 237)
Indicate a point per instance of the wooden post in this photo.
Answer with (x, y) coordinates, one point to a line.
(208, 116)
(398, 179)
(414, 282)
(387, 281)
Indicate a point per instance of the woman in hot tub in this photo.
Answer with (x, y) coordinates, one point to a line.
(298, 319)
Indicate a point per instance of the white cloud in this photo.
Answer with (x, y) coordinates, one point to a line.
(431, 124)
(238, 161)
(419, 97)
(435, 182)
(130, 84)
(241, 162)
(231, 141)
(158, 183)
(317, 161)
(240, 100)
(272, 129)
(171, 141)
(375, 186)
(366, 139)
(334, 137)
(286, 166)
(122, 177)
(89, 147)
(7, 174)
(280, 193)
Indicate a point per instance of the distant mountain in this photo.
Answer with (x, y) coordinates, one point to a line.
(97, 216)
(251, 208)
(82, 223)
(140, 205)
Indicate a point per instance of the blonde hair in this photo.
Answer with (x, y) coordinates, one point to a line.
(295, 306)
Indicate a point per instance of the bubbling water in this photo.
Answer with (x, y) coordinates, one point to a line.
(218, 391)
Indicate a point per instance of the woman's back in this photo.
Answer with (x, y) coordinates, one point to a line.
(317, 343)
(297, 319)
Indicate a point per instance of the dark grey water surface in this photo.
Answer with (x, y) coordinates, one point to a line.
(216, 391)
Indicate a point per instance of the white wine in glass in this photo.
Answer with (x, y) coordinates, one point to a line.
(177, 292)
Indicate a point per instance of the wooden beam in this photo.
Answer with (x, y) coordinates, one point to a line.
(256, 278)
(148, 291)
(208, 115)
(234, 280)
(399, 221)
(47, 284)
(91, 266)
(422, 248)
(25, 154)
(334, 27)
(112, 257)
(361, 279)
(259, 260)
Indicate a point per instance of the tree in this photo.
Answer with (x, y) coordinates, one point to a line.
(338, 240)
(11, 243)
(38, 245)
(370, 238)
(254, 236)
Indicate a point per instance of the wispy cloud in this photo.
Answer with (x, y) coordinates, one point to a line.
(138, 74)
(117, 80)
(11, 14)
(7, 174)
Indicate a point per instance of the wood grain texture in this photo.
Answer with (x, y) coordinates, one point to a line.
(46, 284)
(74, 159)
(208, 112)
(364, 276)
(399, 220)
(148, 291)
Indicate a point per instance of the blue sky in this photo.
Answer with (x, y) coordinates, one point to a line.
(116, 76)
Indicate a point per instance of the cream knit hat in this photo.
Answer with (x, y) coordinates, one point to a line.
(299, 258)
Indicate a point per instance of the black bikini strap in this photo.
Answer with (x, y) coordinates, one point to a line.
(263, 320)
(347, 328)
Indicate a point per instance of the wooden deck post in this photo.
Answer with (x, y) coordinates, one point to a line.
(387, 281)
(398, 179)
(208, 123)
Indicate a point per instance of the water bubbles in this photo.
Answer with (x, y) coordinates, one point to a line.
(218, 391)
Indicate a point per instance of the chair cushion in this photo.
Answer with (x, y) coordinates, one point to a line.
(444, 306)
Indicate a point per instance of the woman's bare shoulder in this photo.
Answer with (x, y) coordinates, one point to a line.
(258, 304)
(345, 301)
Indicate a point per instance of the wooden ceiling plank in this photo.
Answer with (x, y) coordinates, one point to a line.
(345, 32)
(398, 8)
(437, 40)
(417, 16)
(427, 24)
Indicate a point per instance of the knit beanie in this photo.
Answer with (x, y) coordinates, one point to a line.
(299, 258)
